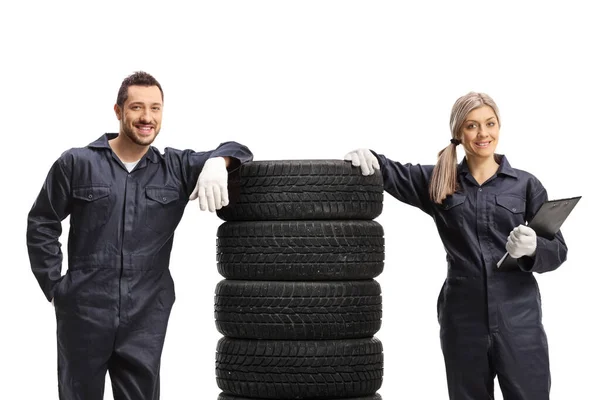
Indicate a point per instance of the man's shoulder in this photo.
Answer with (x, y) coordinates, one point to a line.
(77, 153)
(172, 152)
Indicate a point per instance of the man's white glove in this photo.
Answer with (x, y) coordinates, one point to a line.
(364, 159)
(211, 188)
(522, 241)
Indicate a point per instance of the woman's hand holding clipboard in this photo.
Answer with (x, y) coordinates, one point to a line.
(546, 222)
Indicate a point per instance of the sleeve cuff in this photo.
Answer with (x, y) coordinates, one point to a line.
(526, 263)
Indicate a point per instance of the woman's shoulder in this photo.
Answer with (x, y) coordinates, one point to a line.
(521, 173)
(518, 173)
(532, 184)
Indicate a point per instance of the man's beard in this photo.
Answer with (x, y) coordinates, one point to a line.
(141, 141)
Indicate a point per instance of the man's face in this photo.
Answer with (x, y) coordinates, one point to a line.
(141, 115)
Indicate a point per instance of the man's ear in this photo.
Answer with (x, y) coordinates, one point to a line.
(118, 112)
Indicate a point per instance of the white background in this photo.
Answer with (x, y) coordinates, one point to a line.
(297, 80)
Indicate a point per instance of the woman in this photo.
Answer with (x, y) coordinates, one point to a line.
(490, 317)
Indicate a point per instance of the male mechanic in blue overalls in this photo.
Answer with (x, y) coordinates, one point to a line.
(125, 200)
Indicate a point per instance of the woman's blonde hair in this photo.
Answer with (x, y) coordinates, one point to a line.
(444, 181)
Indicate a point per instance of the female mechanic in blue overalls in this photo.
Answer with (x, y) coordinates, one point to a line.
(490, 318)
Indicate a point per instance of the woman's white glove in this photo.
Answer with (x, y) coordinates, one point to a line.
(211, 188)
(364, 159)
(522, 241)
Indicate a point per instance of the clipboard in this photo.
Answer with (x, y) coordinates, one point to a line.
(546, 223)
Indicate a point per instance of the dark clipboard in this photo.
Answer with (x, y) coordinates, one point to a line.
(546, 223)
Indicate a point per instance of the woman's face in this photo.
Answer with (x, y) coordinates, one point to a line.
(480, 133)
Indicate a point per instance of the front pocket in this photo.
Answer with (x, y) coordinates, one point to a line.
(453, 201)
(440, 303)
(510, 212)
(61, 292)
(520, 307)
(514, 204)
(58, 287)
(451, 213)
(162, 213)
(91, 207)
(522, 313)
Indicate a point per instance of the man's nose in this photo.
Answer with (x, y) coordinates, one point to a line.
(146, 116)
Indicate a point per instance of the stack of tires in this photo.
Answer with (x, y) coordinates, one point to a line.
(299, 305)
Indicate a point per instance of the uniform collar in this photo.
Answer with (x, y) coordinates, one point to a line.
(102, 143)
(504, 169)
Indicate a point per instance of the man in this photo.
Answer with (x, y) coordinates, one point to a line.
(125, 200)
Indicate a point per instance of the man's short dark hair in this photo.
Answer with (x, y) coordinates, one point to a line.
(139, 78)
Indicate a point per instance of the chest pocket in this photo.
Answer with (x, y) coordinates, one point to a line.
(451, 212)
(510, 212)
(91, 207)
(162, 209)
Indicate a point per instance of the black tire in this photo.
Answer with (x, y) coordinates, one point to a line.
(302, 189)
(294, 369)
(300, 250)
(224, 396)
(298, 310)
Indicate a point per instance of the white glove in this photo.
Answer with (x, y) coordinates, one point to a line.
(211, 188)
(364, 159)
(522, 241)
